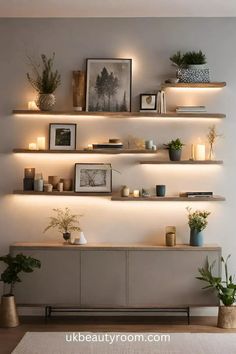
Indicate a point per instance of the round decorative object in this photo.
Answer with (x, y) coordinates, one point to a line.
(175, 155)
(45, 102)
(227, 317)
(196, 238)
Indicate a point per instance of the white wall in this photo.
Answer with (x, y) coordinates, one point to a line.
(149, 42)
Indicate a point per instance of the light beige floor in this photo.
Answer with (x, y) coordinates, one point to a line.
(9, 338)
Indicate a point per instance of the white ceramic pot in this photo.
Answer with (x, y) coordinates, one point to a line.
(79, 239)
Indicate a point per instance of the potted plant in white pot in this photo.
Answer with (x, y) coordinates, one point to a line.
(226, 292)
(15, 265)
(66, 222)
(197, 221)
(191, 67)
(45, 82)
(175, 149)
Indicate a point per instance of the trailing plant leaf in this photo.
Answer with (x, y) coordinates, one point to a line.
(44, 79)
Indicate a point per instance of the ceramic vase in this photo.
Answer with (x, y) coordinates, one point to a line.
(45, 102)
(8, 312)
(196, 238)
(175, 155)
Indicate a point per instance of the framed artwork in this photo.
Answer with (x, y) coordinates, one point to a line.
(62, 136)
(93, 178)
(108, 85)
(148, 102)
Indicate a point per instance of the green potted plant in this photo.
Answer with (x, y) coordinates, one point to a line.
(226, 292)
(64, 222)
(191, 66)
(45, 81)
(197, 221)
(175, 149)
(15, 265)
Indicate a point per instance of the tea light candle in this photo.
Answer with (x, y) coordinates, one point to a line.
(32, 146)
(200, 152)
(136, 193)
(41, 143)
(29, 172)
(32, 106)
(90, 147)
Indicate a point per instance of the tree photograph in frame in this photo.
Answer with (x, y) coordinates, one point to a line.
(62, 136)
(108, 85)
(93, 178)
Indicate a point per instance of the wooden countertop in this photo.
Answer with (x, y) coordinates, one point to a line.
(110, 246)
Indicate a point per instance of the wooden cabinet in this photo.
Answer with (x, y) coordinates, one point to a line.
(103, 278)
(116, 276)
(56, 282)
(168, 278)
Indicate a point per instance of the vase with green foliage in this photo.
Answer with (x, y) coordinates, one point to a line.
(65, 222)
(45, 81)
(197, 221)
(191, 66)
(10, 276)
(175, 149)
(226, 292)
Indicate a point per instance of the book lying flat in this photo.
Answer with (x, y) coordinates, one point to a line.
(196, 194)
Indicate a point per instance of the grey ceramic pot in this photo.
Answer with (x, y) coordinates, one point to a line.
(175, 155)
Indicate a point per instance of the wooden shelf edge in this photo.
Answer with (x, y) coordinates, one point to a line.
(183, 162)
(168, 199)
(195, 84)
(97, 151)
(68, 194)
(121, 115)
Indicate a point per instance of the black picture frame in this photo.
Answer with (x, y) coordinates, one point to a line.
(94, 106)
(153, 107)
(88, 190)
(52, 136)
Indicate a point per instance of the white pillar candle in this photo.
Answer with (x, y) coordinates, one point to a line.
(41, 143)
(32, 106)
(32, 146)
(192, 152)
(136, 193)
(200, 152)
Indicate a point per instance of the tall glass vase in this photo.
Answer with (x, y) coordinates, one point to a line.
(211, 153)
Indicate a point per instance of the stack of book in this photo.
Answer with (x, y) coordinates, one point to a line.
(196, 194)
(190, 109)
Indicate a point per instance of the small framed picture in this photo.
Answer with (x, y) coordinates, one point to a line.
(108, 85)
(62, 136)
(148, 102)
(93, 178)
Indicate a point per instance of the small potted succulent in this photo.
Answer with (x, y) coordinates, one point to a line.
(64, 222)
(197, 221)
(191, 66)
(226, 292)
(45, 82)
(15, 265)
(175, 149)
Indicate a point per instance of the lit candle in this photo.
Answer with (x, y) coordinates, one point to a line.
(41, 143)
(32, 106)
(200, 152)
(136, 193)
(90, 147)
(32, 146)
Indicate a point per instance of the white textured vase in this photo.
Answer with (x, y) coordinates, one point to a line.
(45, 101)
(82, 239)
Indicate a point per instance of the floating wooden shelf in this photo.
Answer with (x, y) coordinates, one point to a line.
(167, 199)
(121, 115)
(195, 85)
(182, 162)
(56, 193)
(97, 151)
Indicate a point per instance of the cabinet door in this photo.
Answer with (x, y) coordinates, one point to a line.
(103, 278)
(168, 278)
(56, 282)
